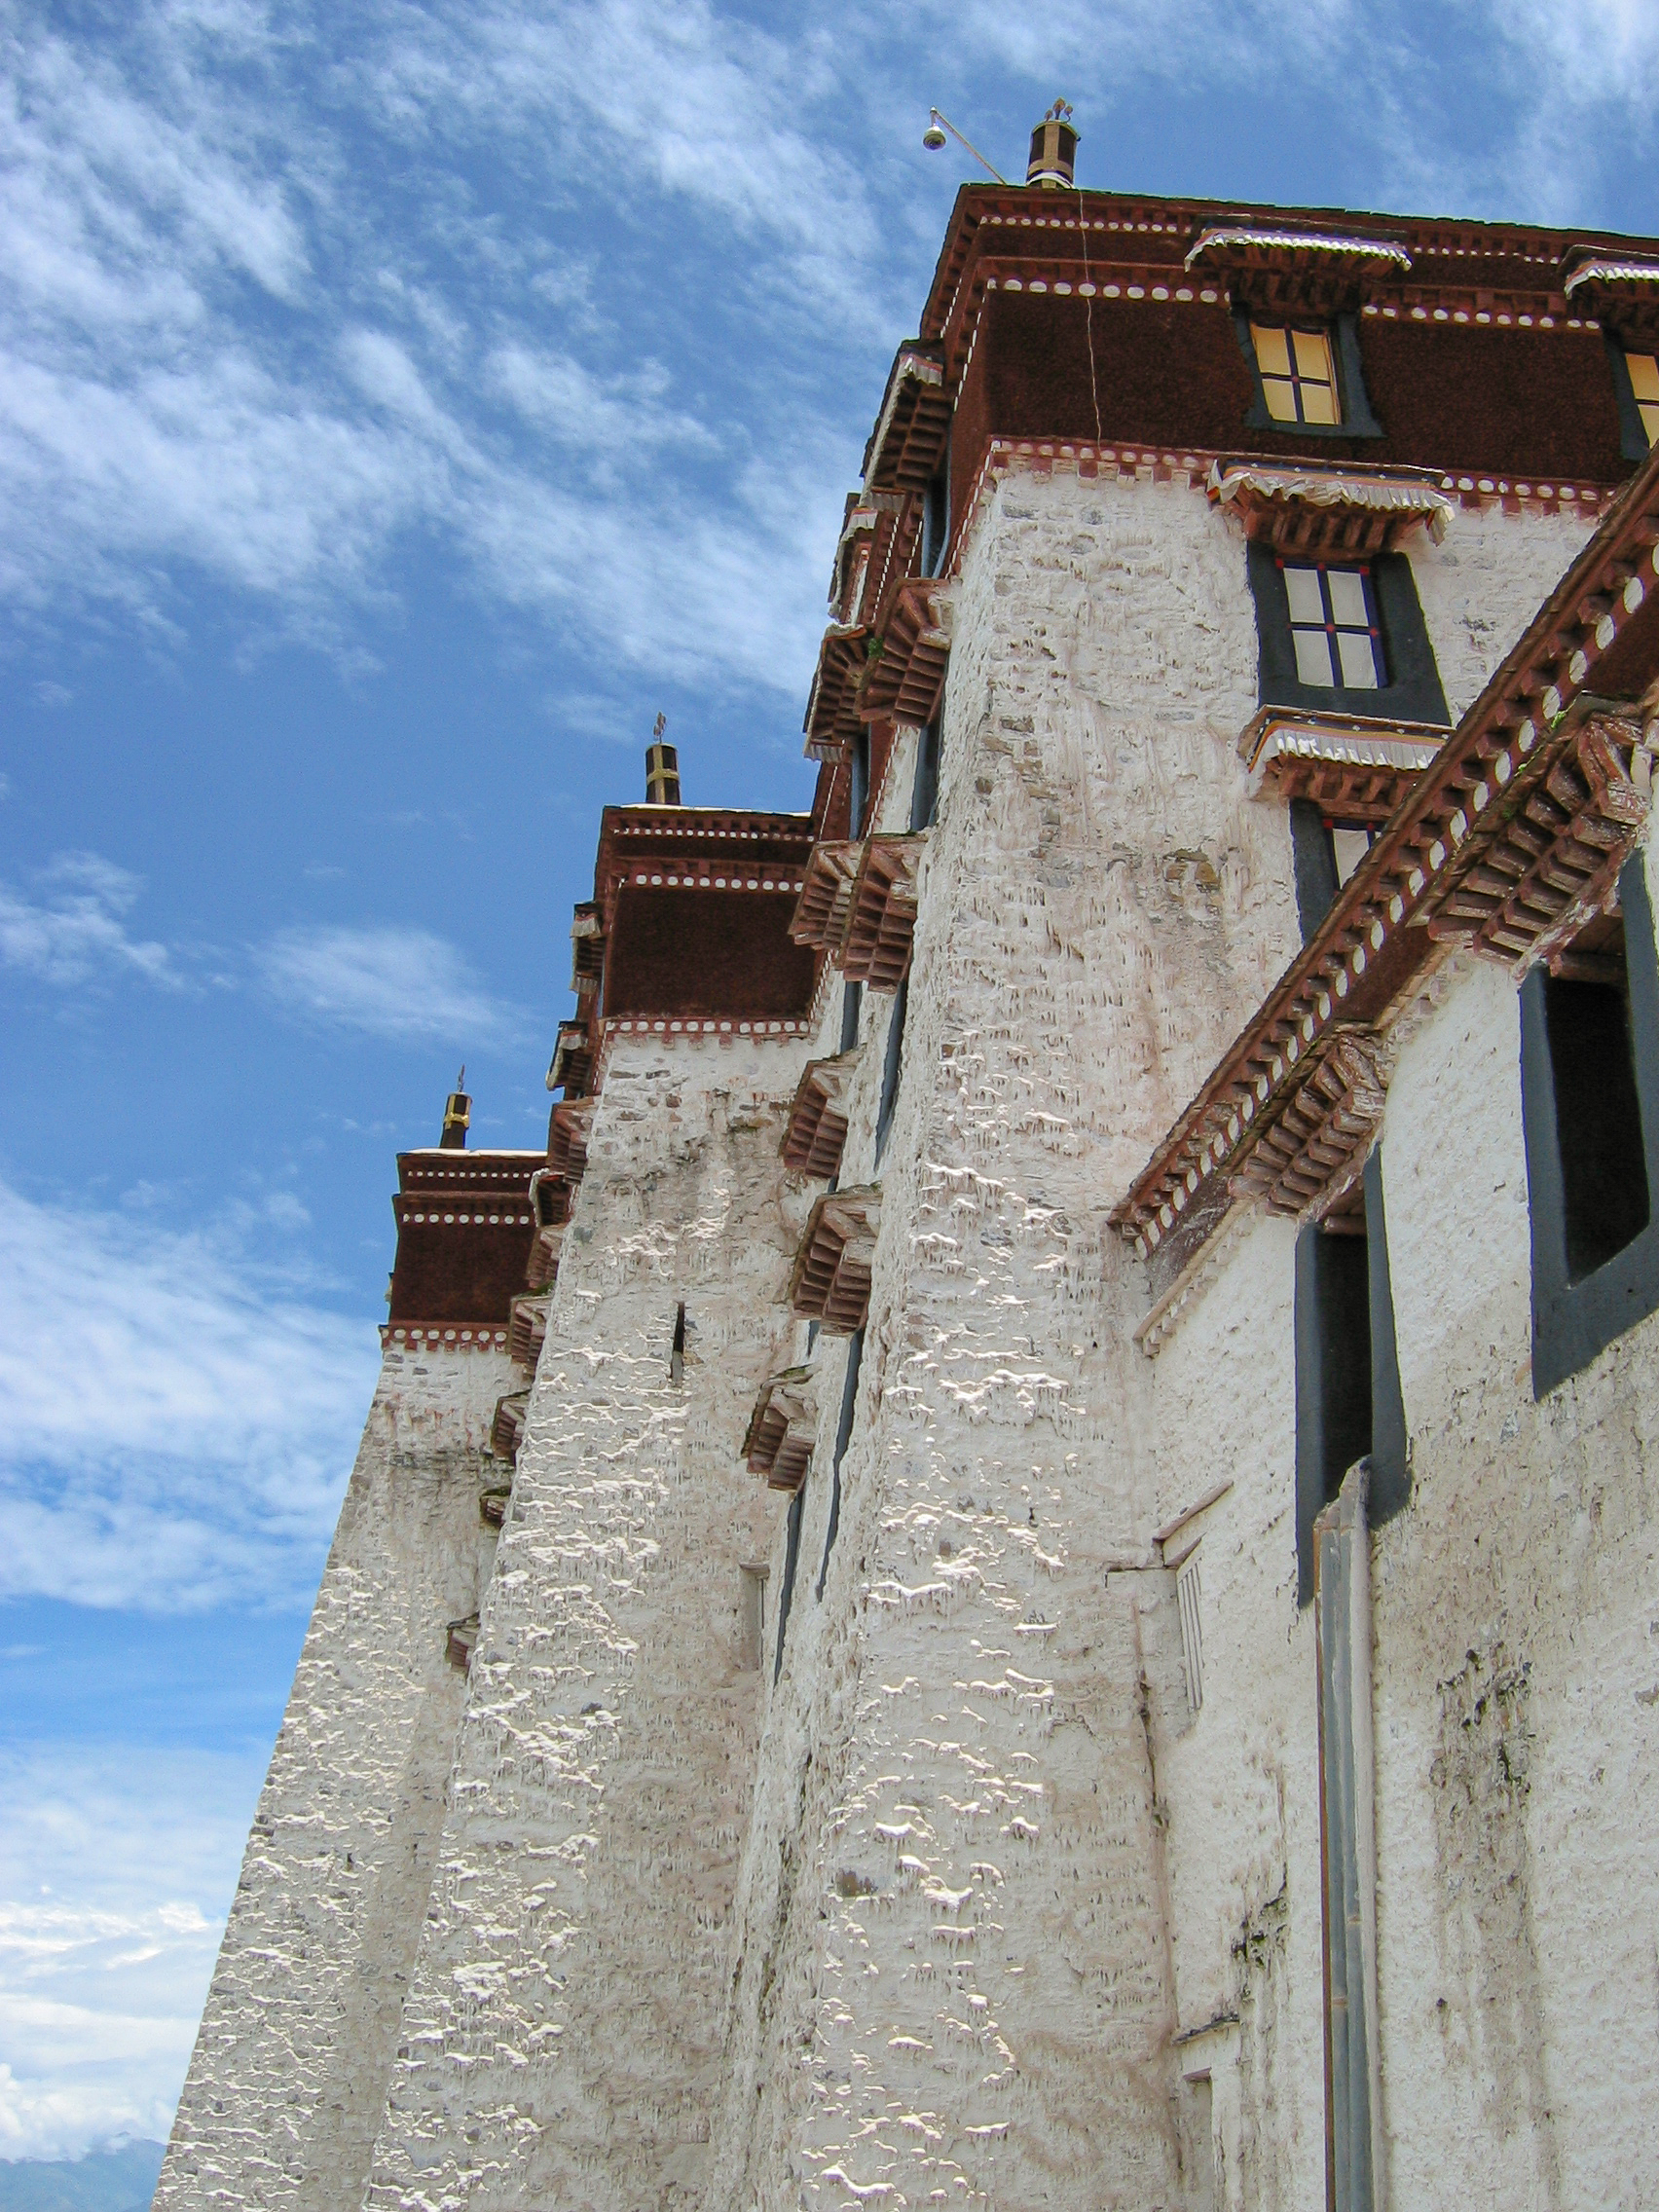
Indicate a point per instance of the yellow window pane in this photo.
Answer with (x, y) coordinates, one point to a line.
(1314, 355)
(1649, 410)
(1643, 375)
(1318, 403)
(1281, 395)
(1271, 353)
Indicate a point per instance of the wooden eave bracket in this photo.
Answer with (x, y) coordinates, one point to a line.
(830, 1282)
(1621, 291)
(543, 1266)
(778, 1442)
(573, 1058)
(507, 1430)
(587, 946)
(907, 443)
(902, 680)
(1355, 768)
(1524, 887)
(1306, 1159)
(820, 917)
(1321, 513)
(832, 721)
(1312, 272)
(817, 1128)
(881, 921)
(566, 1138)
(527, 1327)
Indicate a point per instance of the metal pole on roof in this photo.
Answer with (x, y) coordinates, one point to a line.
(933, 138)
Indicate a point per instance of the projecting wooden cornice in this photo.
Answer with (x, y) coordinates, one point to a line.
(1525, 885)
(1304, 270)
(902, 679)
(820, 919)
(907, 444)
(881, 921)
(831, 714)
(566, 1138)
(507, 1430)
(817, 1129)
(1622, 293)
(1478, 829)
(527, 1328)
(1356, 769)
(831, 1282)
(778, 1443)
(1308, 1156)
(1321, 513)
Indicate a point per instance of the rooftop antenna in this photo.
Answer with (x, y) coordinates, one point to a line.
(933, 138)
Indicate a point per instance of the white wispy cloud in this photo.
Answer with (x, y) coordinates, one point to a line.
(110, 1910)
(396, 984)
(75, 928)
(177, 1434)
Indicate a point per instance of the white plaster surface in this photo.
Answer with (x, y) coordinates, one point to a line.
(561, 2044)
(1482, 585)
(955, 1978)
(290, 2073)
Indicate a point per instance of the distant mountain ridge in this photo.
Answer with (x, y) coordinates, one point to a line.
(121, 2177)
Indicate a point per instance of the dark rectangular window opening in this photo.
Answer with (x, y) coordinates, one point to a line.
(792, 1559)
(1349, 1405)
(1344, 637)
(1604, 1172)
(1324, 855)
(859, 805)
(843, 1430)
(677, 1356)
(1308, 377)
(924, 790)
(851, 997)
(891, 1068)
(936, 521)
(1590, 1112)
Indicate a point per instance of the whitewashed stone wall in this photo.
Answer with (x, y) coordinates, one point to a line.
(954, 1981)
(1515, 1676)
(290, 2073)
(562, 2042)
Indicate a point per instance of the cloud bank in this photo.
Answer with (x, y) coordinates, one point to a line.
(177, 1434)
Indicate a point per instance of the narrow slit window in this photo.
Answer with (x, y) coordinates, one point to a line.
(1644, 388)
(1299, 376)
(1603, 1169)
(1349, 1405)
(677, 1356)
(1334, 627)
(752, 1623)
(892, 1068)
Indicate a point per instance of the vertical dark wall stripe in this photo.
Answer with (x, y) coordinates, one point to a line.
(843, 1430)
(1391, 1475)
(791, 1555)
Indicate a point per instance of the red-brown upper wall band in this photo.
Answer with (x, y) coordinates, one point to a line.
(1527, 404)
(1501, 257)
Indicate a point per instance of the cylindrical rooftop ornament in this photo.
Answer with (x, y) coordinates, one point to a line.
(1054, 150)
(457, 1114)
(662, 769)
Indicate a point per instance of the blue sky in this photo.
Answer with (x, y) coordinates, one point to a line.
(399, 406)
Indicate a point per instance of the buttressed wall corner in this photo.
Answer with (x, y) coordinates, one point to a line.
(1022, 1570)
